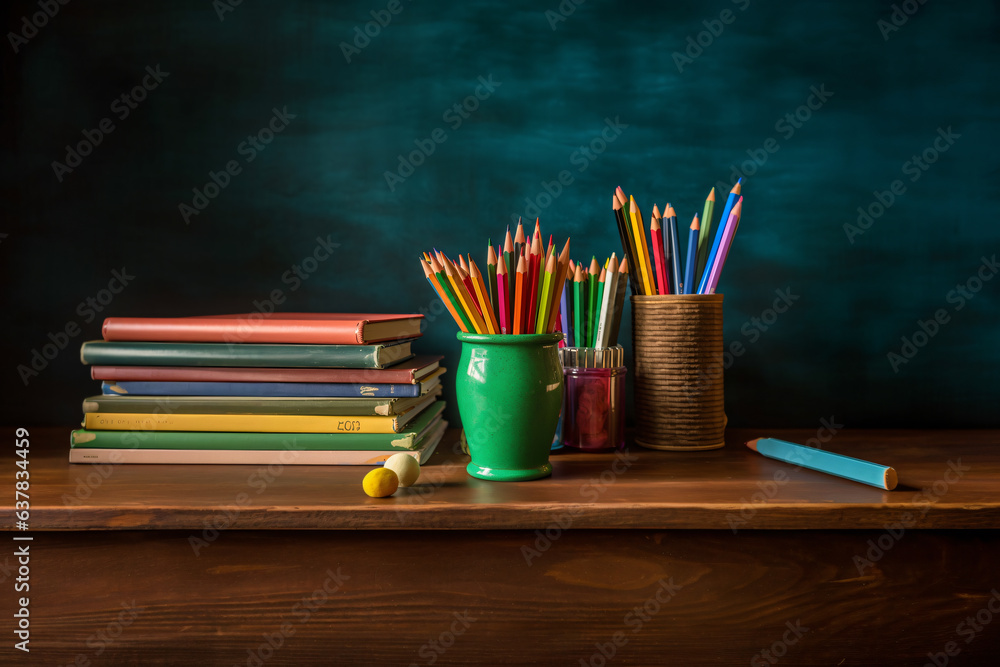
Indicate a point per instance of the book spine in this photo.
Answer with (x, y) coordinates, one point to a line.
(213, 374)
(104, 353)
(290, 443)
(239, 405)
(239, 423)
(261, 389)
(230, 457)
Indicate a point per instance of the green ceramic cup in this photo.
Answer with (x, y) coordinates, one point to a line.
(509, 394)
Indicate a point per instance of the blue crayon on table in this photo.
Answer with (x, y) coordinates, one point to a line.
(692, 258)
(839, 465)
(730, 202)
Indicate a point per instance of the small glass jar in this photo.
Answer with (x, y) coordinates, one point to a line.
(593, 412)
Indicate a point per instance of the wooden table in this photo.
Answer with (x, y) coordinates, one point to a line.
(627, 559)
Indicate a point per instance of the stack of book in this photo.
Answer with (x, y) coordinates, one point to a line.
(291, 388)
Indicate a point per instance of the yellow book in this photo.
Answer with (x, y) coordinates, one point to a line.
(110, 421)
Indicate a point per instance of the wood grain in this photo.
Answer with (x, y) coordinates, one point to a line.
(736, 593)
(650, 490)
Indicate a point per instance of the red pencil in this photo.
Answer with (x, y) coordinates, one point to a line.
(519, 294)
(534, 266)
(656, 233)
(502, 307)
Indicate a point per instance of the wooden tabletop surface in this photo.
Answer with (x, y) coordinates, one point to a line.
(947, 479)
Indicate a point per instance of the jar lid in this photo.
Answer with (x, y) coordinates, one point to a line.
(592, 357)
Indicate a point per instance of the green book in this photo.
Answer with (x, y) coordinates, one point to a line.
(257, 355)
(403, 441)
(250, 405)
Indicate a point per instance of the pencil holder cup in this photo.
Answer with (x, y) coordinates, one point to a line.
(594, 398)
(509, 391)
(679, 397)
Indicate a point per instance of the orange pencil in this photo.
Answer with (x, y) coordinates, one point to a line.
(519, 293)
(656, 235)
(436, 284)
(483, 295)
(560, 278)
(462, 265)
(464, 297)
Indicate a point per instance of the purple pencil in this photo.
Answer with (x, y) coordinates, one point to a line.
(727, 240)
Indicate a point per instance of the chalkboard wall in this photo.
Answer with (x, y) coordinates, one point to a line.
(190, 157)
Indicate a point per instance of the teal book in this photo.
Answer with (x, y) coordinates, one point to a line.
(257, 355)
(403, 441)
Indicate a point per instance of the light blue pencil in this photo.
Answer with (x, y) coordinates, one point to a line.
(734, 194)
(847, 467)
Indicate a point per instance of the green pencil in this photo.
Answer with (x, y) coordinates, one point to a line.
(592, 304)
(703, 234)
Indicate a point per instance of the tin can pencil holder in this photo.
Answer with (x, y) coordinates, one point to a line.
(594, 397)
(678, 370)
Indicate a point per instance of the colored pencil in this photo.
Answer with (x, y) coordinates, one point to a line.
(639, 229)
(445, 298)
(656, 237)
(564, 315)
(598, 301)
(727, 241)
(848, 467)
(491, 280)
(464, 297)
(519, 245)
(562, 267)
(519, 294)
(692, 257)
(703, 235)
(619, 303)
(607, 303)
(595, 273)
(547, 283)
(714, 250)
(470, 288)
(625, 234)
(447, 287)
(483, 295)
(670, 216)
(511, 261)
(502, 296)
(534, 281)
(579, 306)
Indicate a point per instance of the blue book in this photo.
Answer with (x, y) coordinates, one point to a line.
(272, 389)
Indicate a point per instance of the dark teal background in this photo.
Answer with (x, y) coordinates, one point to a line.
(324, 176)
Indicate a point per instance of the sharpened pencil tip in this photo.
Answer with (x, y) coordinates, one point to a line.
(752, 444)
